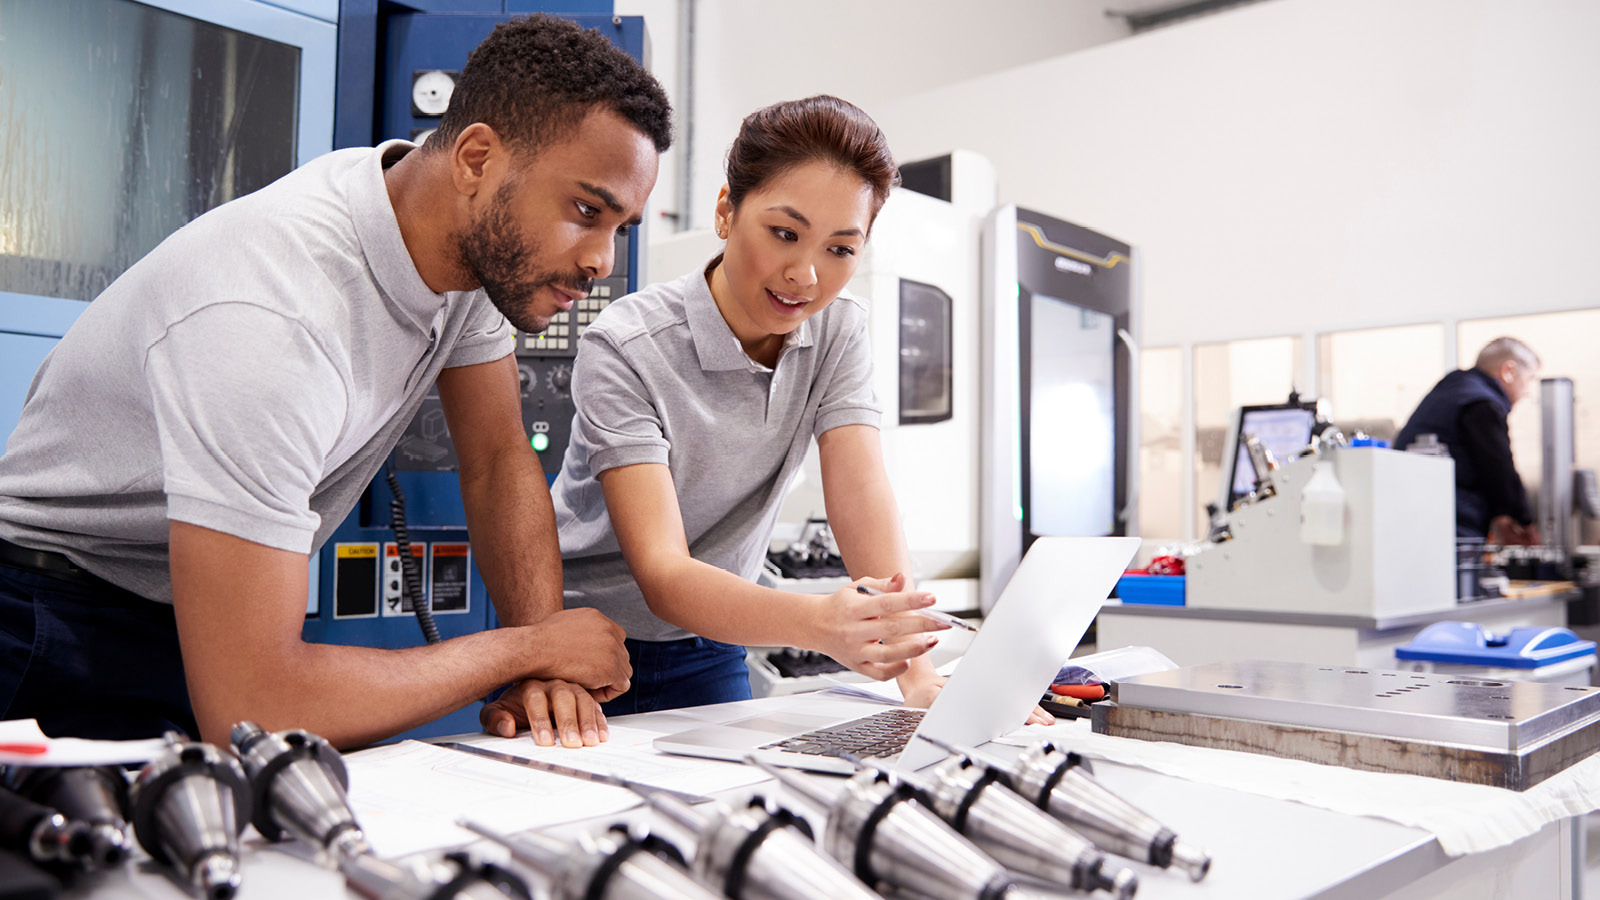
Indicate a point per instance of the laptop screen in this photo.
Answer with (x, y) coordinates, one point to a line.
(1033, 628)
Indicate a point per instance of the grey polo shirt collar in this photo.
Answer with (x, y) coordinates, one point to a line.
(715, 343)
(379, 232)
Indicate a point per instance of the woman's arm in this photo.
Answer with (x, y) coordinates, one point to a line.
(866, 525)
(874, 635)
(865, 521)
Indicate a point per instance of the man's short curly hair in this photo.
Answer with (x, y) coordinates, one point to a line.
(535, 78)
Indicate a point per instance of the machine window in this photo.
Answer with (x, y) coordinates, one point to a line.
(1374, 378)
(122, 122)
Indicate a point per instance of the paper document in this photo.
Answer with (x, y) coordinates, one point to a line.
(879, 691)
(407, 797)
(628, 753)
(1114, 665)
(23, 744)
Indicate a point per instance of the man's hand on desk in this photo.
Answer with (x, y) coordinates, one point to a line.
(548, 709)
(582, 654)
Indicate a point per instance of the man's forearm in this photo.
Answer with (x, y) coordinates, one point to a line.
(356, 695)
(512, 526)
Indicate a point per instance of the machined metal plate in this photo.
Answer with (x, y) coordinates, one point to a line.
(1509, 733)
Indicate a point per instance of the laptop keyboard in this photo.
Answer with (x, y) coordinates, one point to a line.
(880, 734)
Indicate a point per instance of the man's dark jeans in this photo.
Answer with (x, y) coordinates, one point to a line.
(88, 659)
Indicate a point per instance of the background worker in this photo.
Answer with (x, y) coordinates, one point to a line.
(1467, 410)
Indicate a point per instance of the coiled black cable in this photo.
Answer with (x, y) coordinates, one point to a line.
(410, 567)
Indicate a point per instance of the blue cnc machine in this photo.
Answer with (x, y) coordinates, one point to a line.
(357, 72)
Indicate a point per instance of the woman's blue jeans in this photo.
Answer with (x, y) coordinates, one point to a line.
(689, 672)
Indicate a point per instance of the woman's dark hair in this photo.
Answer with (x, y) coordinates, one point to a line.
(534, 79)
(824, 129)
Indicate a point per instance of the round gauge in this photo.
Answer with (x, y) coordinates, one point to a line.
(560, 379)
(430, 92)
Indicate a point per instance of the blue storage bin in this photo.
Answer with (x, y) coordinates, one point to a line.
(1156, 590)
(1470, 644)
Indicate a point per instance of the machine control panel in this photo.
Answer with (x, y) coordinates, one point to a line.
(544, 367)
(544, 375)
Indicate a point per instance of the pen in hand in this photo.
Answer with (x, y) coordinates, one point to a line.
(935, 615)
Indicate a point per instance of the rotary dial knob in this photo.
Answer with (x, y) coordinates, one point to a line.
(561, 379)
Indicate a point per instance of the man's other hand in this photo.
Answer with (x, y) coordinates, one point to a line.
(581, 646)
(1506, 531)
(549, 709)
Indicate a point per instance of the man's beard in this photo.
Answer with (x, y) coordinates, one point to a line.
(496, 253)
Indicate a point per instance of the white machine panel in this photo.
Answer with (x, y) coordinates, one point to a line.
(1397, 556)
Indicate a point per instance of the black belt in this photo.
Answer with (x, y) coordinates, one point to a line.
(45, 562)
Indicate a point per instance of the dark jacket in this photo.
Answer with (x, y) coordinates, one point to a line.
(1467, 409)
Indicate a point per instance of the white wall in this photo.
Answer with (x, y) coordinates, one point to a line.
(661, 27)
(1306, 165)
(750, 54)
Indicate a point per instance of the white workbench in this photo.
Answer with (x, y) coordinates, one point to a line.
(1196, 635)
(1262, 848)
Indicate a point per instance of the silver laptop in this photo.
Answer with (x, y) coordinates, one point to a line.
(1033, 628)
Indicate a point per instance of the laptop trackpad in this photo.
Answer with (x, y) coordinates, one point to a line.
(785, 724)
(734, 739)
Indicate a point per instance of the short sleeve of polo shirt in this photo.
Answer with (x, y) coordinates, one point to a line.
(849, 398)
(486, 337)
(616, 418)
(247, 407)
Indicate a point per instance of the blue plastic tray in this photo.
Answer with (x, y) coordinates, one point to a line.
(1468, 643)
(1156, 590)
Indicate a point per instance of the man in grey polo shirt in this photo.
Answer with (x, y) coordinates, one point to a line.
(218, 410)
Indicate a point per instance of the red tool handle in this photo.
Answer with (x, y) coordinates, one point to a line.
(1080, 691)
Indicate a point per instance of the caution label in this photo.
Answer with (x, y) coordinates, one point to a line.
(355, 581)
(449, 566)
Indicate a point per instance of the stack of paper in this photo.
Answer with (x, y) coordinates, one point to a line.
(628, 753)
(408, 796)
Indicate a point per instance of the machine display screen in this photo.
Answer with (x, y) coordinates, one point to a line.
(1284, 431)
(1070, 460)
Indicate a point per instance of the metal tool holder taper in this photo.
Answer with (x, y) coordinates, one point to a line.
(297, 786)
(43, 834)
(878, 828)
(757, 852)
(614, 864)
(974, 800)
(1061, 784)
(189, 806)
(454, 876)
(94, 795)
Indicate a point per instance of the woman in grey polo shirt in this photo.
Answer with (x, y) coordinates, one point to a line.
(697, 400)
